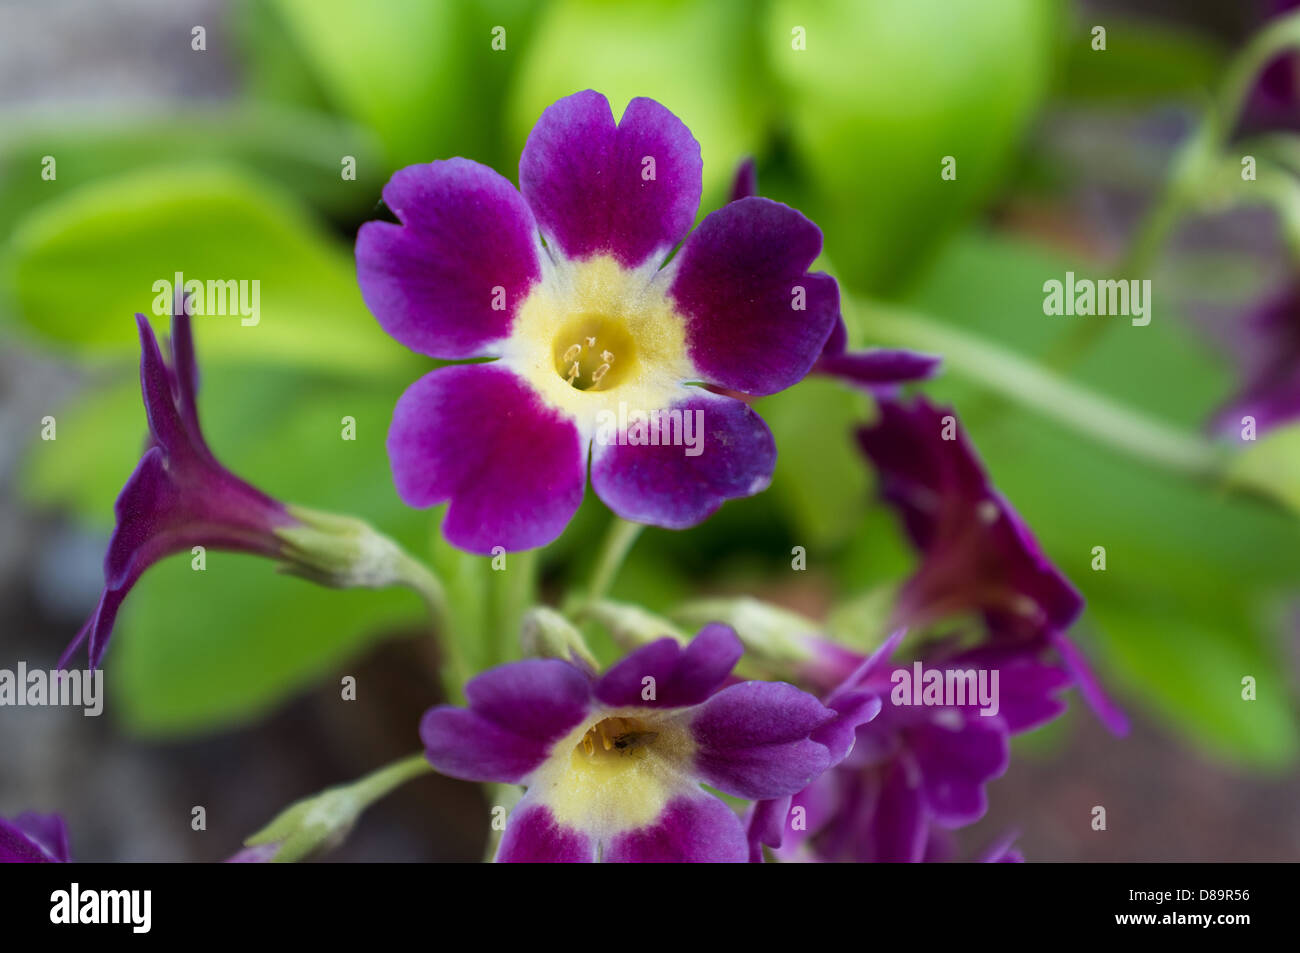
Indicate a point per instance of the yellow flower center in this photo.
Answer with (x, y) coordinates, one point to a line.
(594, 352)
(595, 338)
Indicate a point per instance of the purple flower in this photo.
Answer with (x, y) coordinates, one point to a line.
(34, 839)
(1271, 393)
(179, 496)
(1273, 104)
(977, 554)
(613, 763)
(879, 370)
(920, 766)
(596, 342)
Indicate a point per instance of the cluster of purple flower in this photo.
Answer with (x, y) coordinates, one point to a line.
(562, 285)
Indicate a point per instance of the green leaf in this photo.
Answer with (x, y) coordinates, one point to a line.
(296, 150)
(1144, 61)
(423, 76)
(821, 479)
(200, 651)
(1179, 663)
(83, 264)
(882, 93)
(1271, 466)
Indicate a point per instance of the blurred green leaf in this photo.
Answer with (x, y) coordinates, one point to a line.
(298, 151)
(80, 266)
(1180, 663)
(882, 93)
(1144, 61)
(821, 479)
(1271, 466)
(697, 59)
(423, 76)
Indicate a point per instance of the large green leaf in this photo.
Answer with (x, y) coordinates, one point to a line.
(81, 265)
(297, 150)
(423, 76)
(882, 93)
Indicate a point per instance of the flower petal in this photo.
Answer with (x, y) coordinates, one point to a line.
(752, 740)
(534, 836)
(876, 368)
(479, 436)
(1111, 715)
(667, 486)
(516, 713)
(682, 676)
(895, 830)
(592, 187)
(756, 321)
(956, 764)
(697, 829)
(32, 838)
(448, 281)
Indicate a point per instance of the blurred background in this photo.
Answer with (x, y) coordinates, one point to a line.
(226, 161)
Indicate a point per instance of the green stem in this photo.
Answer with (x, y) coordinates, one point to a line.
(380, 783)
(1047, 392)
(618, 542)
(514, 591)
(455, 670)
(321, 821)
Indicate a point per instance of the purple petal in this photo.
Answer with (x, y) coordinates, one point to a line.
(955, 765)
(1002, 851)
(479, 436)
(450, 279)
(682, 676)
(516, 714)
(753, 740)
(534, 836)
(765, 826)
(895, 828)
(158, 384)
(745, 182)
(666, 486)
(33, 838)
(852, 709)
(1111, 715)
(878, 367)
(591, 184)
(756, 321)
(695, 830)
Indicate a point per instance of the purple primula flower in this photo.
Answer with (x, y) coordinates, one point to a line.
(34, 839)
(1271, 393)
(596, 341)
(179, 496)
(920, 766)
(613, 763)
(879, 370)
(977, 554)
